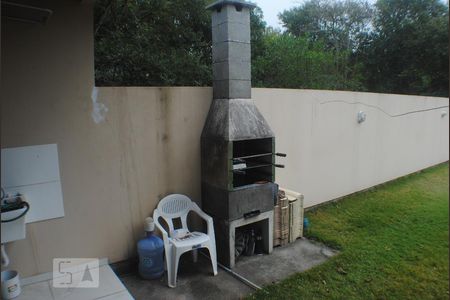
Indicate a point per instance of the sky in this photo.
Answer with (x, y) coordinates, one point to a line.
(271, 9)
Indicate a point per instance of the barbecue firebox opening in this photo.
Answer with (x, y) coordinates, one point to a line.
(252, 161)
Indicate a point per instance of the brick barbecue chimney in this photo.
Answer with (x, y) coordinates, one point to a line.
(237, 144)
(231, 49)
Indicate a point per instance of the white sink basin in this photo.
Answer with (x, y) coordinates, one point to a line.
(15, 230)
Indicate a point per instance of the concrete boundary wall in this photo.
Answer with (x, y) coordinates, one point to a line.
(116, 168)
(331, 155)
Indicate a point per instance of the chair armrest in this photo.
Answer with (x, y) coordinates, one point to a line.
(163, 232)
(160, 228)
(200, 212)
(204, 216)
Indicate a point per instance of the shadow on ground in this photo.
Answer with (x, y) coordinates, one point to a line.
(195, 280)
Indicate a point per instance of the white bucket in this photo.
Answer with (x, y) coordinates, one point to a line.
(10, 284)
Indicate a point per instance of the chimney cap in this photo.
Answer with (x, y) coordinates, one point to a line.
(220, 3)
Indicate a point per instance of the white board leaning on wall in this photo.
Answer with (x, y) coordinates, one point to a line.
(34, 172)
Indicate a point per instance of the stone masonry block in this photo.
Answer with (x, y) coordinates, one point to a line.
(233, 69)
(229, 13)
(230, 31)
(232, 89)
(227, 51)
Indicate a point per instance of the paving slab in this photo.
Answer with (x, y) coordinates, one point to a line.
(284, 261)
(195, 280)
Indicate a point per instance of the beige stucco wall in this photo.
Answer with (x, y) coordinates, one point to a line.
(330, 155)
(114, 172)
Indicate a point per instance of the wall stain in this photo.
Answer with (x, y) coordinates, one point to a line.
(165, 140)
(129, 170)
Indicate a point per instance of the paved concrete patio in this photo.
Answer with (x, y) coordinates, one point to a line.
(195, 281)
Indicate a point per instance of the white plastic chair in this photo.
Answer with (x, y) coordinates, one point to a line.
(178, 206)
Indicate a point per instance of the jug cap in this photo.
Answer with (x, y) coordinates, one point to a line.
(149, 225)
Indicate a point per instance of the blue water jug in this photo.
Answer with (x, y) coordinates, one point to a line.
(305, 223)
(150, 250)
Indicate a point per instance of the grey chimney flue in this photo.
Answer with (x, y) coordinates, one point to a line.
(231, 52)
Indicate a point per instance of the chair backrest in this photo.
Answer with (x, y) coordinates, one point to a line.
(174, 206)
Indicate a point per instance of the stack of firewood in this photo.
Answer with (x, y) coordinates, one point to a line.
(281, 220)
(288, 217)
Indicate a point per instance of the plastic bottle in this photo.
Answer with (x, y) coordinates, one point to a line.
(306, 224)
(259, 244)
(150, 250)
(250, 249)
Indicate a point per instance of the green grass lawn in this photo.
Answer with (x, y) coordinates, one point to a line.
(393, 241)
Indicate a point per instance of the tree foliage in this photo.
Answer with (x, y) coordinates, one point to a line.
(333, 31)
(158, 42)
(154, 42)
(295, 62)
(394, 46)
(339, 24)
(408, 50)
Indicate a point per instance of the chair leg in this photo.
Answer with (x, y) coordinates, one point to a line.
(213, 256)
(195, 255)
(168, 265)
(174, 268)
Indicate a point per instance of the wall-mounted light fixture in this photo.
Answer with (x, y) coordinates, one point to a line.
(361, 116)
